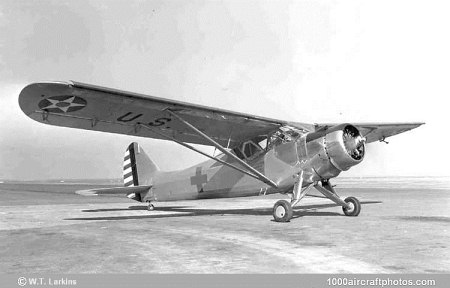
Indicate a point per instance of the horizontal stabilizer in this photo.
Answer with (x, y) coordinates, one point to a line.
(115, 190)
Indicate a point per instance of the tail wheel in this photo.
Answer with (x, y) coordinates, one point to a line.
(282, 211)
(355, 207)
(150, 207)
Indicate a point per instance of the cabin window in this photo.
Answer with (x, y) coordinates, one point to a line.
(247, 150)
(251, 149)
(238, 153)
(284, 135)
(263, 143)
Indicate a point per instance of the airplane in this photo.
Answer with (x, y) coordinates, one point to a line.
(259, 156)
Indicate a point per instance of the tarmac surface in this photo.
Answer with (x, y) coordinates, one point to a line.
(48, 228)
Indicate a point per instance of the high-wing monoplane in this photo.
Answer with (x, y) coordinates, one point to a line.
(259, 155)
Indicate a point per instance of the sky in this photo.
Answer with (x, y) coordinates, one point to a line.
(303, 61)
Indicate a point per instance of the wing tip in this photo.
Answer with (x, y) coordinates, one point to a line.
(31, 93)
(48, 82)
(416, 125)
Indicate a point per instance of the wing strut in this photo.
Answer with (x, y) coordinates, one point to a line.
(259, 175)
(198, 151)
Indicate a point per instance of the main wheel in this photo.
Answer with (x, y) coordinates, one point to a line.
(355, 207)
(282, 211)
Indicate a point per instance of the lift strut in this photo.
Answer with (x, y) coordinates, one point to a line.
(250, 169)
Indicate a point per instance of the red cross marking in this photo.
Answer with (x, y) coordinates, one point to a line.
(199, 179)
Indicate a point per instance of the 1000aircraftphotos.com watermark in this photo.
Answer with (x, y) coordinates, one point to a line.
(42, 281)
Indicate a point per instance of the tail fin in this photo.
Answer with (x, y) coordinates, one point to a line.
(138, 168)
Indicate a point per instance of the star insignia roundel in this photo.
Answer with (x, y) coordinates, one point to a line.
(62, 104)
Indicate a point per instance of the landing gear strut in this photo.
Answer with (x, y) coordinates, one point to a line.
(282, 210)
(350, 205)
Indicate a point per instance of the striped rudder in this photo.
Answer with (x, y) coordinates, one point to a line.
(138, 170)
(130, 175)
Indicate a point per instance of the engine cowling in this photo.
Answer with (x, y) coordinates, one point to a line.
(331, 151)
(345, 147)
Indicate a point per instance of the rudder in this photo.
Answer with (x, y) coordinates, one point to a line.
(138, 168)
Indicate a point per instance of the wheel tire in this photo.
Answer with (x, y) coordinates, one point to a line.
(282, 211)
(356, 207)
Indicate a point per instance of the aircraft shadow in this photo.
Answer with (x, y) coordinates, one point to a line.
(129, 209)
(185, 211)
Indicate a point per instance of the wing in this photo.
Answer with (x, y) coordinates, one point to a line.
(84, 106)
(378, 131)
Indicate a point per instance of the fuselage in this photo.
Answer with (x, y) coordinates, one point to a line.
(280, 163)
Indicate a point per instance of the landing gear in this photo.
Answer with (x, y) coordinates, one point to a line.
(354, 207)
(150, 206)
(350, 205)
(282, 211)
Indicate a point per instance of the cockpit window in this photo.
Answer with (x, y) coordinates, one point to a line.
(238, 153)
(247, 150)
(284, 135)
(250, 149)
(263, 143)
